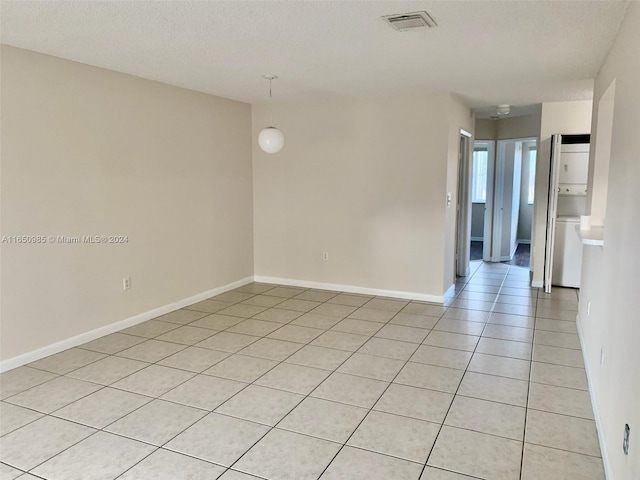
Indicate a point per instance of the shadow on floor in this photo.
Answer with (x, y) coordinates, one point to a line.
(521, 258)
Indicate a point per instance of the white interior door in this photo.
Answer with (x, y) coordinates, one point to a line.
(488, 205)
(552, 210)
(463, 207)
(498, 202)
(514, 207)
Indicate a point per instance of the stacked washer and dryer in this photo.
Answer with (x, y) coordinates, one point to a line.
(567, 202)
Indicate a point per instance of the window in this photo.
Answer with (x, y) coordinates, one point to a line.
(479, 175)
(532, 176)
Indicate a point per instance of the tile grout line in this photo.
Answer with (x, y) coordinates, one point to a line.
(526, 415)
(458, 388)
(317, 386)
(50, 414)
(335, 370)
(176, 403)
(372, 407)
(280, 363)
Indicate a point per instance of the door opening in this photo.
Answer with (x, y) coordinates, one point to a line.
(463, 204)
(502, 187)
(482, 173)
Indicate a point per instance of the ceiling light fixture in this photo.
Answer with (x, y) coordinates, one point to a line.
(503, 109)
(271, 140)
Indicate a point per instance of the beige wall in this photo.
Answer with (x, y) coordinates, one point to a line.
(87, 151)
(598, 177)
(365, 181)
(523, 126)
(610, 273)
(486, 129)
(458, 117)
(557, 117)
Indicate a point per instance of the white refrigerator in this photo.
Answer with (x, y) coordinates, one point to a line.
(567, 201)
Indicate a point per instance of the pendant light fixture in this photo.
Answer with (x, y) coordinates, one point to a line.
(271, 140)
(503, 109)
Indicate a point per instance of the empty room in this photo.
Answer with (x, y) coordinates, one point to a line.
(304, 240)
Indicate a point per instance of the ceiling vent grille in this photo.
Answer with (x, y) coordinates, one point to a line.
(410, 21)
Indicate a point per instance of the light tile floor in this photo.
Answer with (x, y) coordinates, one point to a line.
(278, 382)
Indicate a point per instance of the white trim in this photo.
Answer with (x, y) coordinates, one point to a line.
(463, 209)
(498, 203)
(477, 239)
(608, 472)
(352, 289)
(452, 289)
(85, 337)
(465, 133)
(513, 252)
(536, 283)
(487, 228)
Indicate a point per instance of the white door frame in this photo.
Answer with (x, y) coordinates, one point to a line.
(552, 210)
(488, 205)
(463, 206)
(497, 194)
(497, 207)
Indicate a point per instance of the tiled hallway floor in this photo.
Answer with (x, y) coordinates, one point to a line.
(278, 383)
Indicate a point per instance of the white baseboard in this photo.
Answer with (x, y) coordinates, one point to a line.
(451, 290)
(352, 289)
(477, 239)
(85, 337)
(537, 284)
(594, 404)
(525, 242)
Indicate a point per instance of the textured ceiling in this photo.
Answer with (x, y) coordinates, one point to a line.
(489, 52)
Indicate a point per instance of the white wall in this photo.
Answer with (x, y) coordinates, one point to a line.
(610, 274)
(557, 117)
(87, 151)
(365, 181)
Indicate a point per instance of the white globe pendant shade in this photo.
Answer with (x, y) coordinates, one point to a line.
(271, 140)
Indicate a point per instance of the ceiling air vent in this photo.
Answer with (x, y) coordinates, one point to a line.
(410, 21)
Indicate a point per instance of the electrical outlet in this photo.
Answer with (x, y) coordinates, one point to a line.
(625, 441)
(602, 356)
(126, 283)
(325, 255)
(448, 199)
(588, 307)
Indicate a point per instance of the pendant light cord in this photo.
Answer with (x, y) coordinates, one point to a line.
(271, 78)
(270, 103)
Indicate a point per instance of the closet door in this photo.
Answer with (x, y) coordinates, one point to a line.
(552, 210)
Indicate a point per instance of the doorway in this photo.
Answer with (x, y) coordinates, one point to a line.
(482, 170)
(463, 214)
(502, 198)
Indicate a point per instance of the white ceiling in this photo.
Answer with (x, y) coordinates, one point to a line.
(490, 52)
